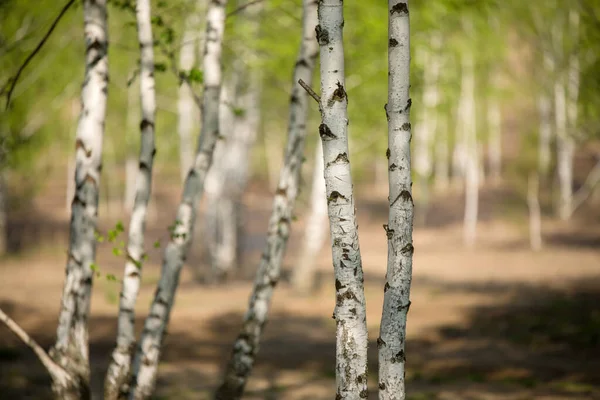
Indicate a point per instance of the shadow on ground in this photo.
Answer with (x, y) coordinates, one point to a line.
(540, 342)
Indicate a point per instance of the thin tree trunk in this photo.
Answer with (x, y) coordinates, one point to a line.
(587, 189)
(186, 107)
(442, 158)
(75, 106)
(350, 312)
(247, 343)
(535, 219)
(315, 232)
(132, 124)
(396, 299)
(117, 377)
(494, 118)
(71, 350)
(145, 364)
(4, 214)
(472, 161)
(545, 113)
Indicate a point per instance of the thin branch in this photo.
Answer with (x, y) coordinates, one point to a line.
(242, 8)
(14, 80)
(50, 365)
(310, 91)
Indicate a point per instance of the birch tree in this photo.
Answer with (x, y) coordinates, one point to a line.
(303, 278)
(396, 301)
(132, 127)
(350, 312)
(186, 107)
(118, 370)
(71, 351)
(247, 343)
(545, 115)
(145, 364)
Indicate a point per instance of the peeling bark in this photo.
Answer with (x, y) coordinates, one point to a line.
(118, 374)
(145, 364)
(247, 343)
(315, 232)
(350, 313)
(71, 350)
(396, 301)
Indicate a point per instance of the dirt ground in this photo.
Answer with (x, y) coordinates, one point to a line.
(497, 322)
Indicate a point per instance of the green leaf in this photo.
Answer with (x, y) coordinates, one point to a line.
(119, 227)
(157, 244)
(111, 278)
(117, 251)
(160, 67)
(196, 75)
(94, 267)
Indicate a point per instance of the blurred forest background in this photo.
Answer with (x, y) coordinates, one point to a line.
(506, 157)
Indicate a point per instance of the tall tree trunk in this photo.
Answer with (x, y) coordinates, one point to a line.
(4, 214)
(145, 364)
(442, 158)
(494, 118)
(396, 299)
(71, 350)
(545, 115)
(535, 218)
(247, 343)
(117, 377)
(472, 160)
(350, 313)
(316, 229)
(427, 126)
(186, 107)
(132, 126)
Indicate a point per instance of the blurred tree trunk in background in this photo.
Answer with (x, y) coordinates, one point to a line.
(535, 217)
(545, 116)
(228, 177)
(4, 203)
(188, 112)
(315, 231)
(469, 133)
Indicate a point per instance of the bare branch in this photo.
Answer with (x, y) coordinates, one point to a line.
(242, 8)
(13, 81)
(50, 365)
(310, 91)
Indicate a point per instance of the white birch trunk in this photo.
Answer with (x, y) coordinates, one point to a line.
(535, 218)
(71, 349)
(350, 313)
(132, 126)
(564, 151)
(145, 364)
(545, 114)
(396, 299)
(75, 106)
(186, 107)
(472, 172)
(118, 373)
(494, 118)
(247, 343)
(442, 159)
(315, 232)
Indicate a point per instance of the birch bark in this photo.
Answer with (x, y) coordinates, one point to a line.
(396, 301)
(71, 349)
(145, 364)
(350, 313)
(315, 232)
(472, 173)
(119, 368)
(247, 343)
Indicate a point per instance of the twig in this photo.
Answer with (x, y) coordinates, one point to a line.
(50, 365)
(242, 8)
(310, 91)
(14, 80)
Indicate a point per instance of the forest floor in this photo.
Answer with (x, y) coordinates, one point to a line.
(497, 322)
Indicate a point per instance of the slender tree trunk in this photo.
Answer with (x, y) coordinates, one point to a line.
(247, 343)
(350, 313)
(71, 350)
(117, 377)
(442, 158)
(75, 106)
(396, 299)
(426, 129)
(131, 163)
(472, 159)
(460, 152)
(316, 229)
(535, 218)
(494, 118)
(186, 107)
(545, 134)
(145, 364)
